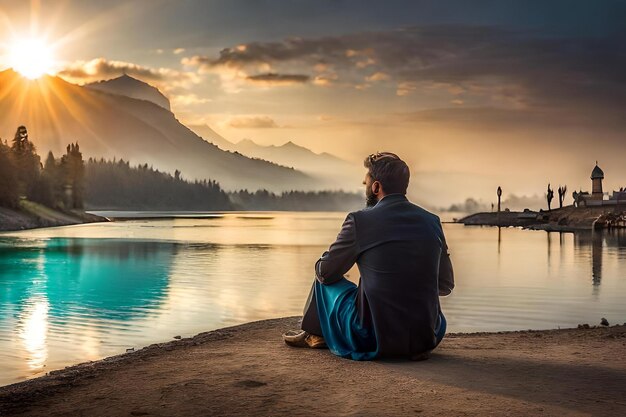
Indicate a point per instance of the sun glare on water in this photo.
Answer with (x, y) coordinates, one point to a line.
(31, 57)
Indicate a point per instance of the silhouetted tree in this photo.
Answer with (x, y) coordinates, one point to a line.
(562, 190)
(549, 197)
(117, 185)
(499, 192)
(9, 195)
(297, 200)
(73, 171)
(53, 176)
(27, 162)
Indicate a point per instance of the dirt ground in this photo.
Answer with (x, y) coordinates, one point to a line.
(247, 370)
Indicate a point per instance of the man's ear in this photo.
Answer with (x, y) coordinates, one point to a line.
(376, 187)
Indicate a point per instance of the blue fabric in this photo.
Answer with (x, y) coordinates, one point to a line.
(336, 308)
(440, 332)
(339, 321)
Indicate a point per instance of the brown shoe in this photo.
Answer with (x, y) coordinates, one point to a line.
(301, 338)
(421, 356)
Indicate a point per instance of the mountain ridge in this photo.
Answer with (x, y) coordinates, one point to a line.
(109, 125)
(128, 86)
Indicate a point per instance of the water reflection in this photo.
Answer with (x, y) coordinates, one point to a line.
(103, 278)
(53, 287)
(70, 300)
(33, 330)
(111, 279)
(591, 244)
(80, 293)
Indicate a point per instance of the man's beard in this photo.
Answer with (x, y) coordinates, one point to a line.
(370, 198)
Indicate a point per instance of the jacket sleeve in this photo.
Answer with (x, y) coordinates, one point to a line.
(446, 274)
(341, 255)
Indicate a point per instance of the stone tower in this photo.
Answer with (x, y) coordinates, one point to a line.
(597, 175)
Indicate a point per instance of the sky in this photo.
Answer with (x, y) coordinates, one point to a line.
(471, 94)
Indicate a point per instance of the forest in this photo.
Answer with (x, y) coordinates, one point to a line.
(57, 183)
(116, 185)
(70, 183)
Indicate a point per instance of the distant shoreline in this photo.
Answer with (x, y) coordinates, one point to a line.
(31, 215)
(35, 216)
(566, 219)
(123, 215)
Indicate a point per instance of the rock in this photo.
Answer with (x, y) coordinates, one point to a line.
(583, 326)
(130, 350)
(177, 337)
(604, 322)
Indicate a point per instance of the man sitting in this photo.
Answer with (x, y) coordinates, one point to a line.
(403, 259)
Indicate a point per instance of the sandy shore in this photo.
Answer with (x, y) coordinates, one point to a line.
(247, 370)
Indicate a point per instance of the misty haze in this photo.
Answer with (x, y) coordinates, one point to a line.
(312, 207)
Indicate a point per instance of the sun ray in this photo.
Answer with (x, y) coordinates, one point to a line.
(6, 22)
(35, 10)
(127, 10)
(6, 90)
(46, 94)
(53, 18)
(77, 111)
(21, 100)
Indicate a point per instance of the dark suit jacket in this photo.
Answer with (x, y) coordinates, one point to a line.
(404, 263)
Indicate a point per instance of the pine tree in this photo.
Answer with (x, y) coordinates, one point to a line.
(73, 176)
(52, 175)
(27, 163)
(9, 196)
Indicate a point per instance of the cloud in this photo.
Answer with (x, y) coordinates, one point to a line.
(188, 100)
(405, 88)
(178, 51)
(479, 65)
(377, 76)
(325, 79)
(101, 69)
(252, 122)
(272, 78)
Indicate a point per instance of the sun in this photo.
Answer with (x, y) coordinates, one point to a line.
(31, 57)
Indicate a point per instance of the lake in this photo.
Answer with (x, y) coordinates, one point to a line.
(79, 293)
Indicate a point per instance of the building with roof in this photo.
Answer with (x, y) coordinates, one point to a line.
(596, 198)
(597, 175)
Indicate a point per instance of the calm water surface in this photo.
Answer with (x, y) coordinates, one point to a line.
(79, 293)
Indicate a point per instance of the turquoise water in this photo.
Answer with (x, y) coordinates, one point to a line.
(79, 293)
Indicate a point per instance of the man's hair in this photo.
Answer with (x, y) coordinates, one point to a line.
(388, 169)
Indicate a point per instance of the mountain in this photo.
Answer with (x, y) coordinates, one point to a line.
(108, 125)
(329, 171)
(133, 88)
(290, 154)
(210, 135)
(334, 172)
